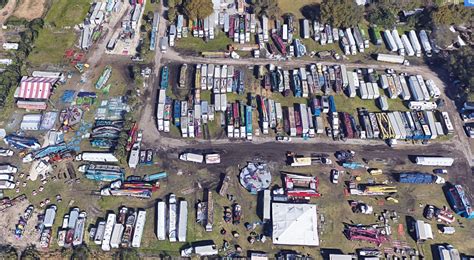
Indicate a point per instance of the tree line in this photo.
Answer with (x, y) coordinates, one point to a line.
(10, 78)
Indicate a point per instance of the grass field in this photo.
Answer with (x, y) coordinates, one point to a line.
(198, 45)
(294, 6)
(58, 33)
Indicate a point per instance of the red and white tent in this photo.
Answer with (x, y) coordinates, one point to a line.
(35, 88)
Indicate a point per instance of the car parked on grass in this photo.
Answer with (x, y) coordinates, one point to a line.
(429, 212)
(335, 174)
(440, 171)
(283, 138)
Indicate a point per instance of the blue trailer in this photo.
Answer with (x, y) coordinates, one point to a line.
(332, 104)
(316, 106)
(155, 176)
(177, 113)
(248, 122)
(420, 178)
(460, 202)
(353, 165)
(164, 77)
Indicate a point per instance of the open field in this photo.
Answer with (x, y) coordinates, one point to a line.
(295, 6)
(198, 45)
(30, 9)
(59, 22)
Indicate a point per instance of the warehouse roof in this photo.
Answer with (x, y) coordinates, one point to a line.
(295, 224)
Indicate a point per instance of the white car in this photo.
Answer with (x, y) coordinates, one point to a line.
(6, 152)
(283, 139)
(326, 161)
(335, 176)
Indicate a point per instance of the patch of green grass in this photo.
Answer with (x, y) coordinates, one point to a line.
(58, 34)
(350, 105)
(288, 101)
(45, 51)
(65, 13)
(294, 6)
(198, 45)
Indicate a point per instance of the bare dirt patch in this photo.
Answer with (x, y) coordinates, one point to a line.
(30, 9)
(8, 220)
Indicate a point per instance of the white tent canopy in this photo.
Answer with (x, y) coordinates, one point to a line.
(295, 224)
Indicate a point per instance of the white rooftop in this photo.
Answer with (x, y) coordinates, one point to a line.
(295, 224)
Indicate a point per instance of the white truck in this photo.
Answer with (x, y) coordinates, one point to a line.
(212, 158)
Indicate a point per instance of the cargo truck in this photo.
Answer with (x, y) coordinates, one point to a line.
(96, 157)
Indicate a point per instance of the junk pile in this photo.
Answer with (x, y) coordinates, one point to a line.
(86, 99)
(255, 177)
(20, 227)
(106, 133)
(368, 234)
(70, 117)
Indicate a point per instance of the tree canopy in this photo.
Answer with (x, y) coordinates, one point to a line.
(452, 14)
(269, 8)
(341, 13)
(198, 9)
(382, 16)
(461, 64)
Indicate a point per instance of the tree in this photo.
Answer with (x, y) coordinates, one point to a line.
(30, 253)
(382, 16)
(171, 14)
(461, 65)
(269, 8)
(443, 36)
(452, 14)
(341, 13)
(198, 9)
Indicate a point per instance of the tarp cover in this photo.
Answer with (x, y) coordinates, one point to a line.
(295, 224)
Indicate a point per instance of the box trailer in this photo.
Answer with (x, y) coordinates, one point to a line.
(116, 237)
(161, 220)
(425, 42)
(109, 227)
(172, 218)
(448, 126)
(351, 89)
(351, 40)
(424, 89)
(363, 91)
(415, 43)
(422, 105)
(304, 119)
(408, 48)
(405, 90)
(398, 42)
(291, 121)
(265, 28)
(182, 221)
(305, 31)
(192, 157)
(8, 169)
(96, 157)
(319, 124)
(416, 93)
(139, 226)
(391, 58)
(434, 161)
(266, 205)
(391, 45)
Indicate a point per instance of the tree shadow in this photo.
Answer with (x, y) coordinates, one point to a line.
(311, 11)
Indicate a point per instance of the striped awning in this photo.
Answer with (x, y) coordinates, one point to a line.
(35, 87)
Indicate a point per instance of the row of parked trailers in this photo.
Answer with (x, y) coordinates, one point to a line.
(219, 79)
(414, 125)
(172, 220)
(408, 45)
(121, 231)
(239, 121)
